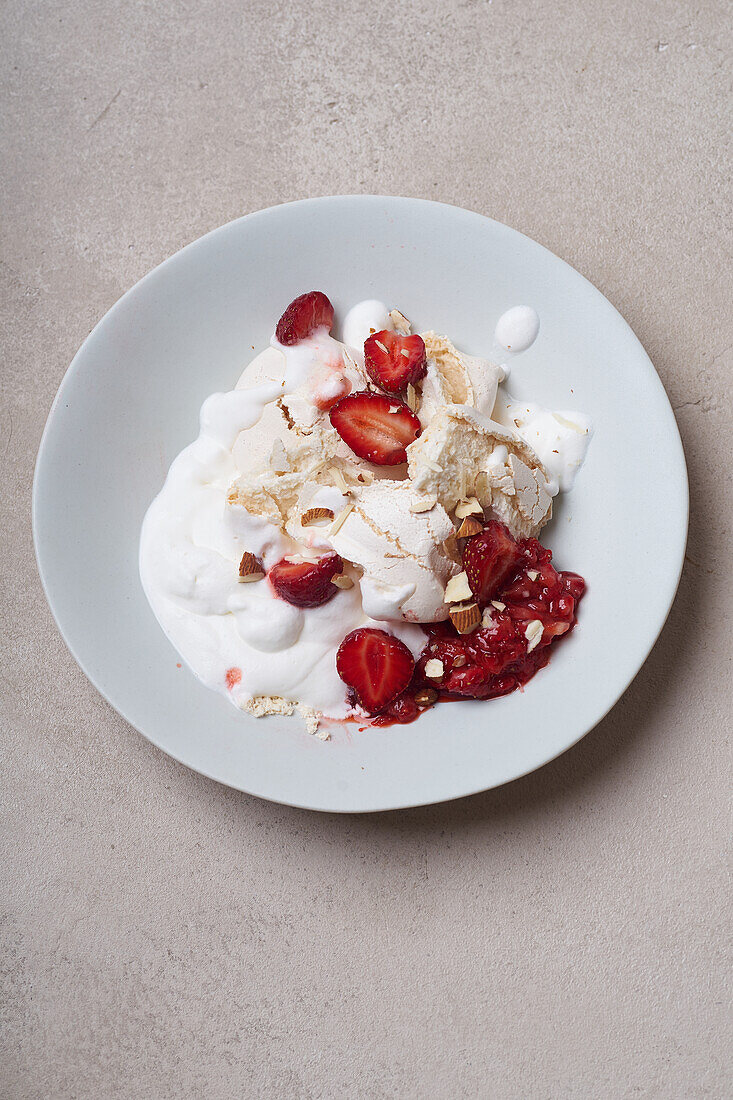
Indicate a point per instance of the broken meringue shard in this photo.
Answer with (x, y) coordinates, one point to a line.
(400, 550)
(463, 453)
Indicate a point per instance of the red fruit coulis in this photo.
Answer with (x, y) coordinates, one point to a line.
(233, 677)
(494, 660)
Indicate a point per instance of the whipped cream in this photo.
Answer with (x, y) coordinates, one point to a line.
(266, 455)
(559, 439)
(362, 320)
(517, 329)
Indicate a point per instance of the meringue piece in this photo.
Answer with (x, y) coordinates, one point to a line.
(479, 457)
(400, 548)
(265, 489)
(434, 394)
(469, 380)
(383, 601)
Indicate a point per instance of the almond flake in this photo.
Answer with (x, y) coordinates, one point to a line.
(425, 697)
(424, 505)
(342, 581)
(366, 477)
(381, 346)
(434, 668)
(498, 605)
(316, 515)
(250, 568)
(487, 618)
(532, 574)
(411, 397)
(460, 661)
(469, 507)
(400, 322)
(466, 617)
(468, 528)
(338, 479)
(457, 589)
(340, 520)
(533, 633)
(279, 461)
(405, 352)
(394, 408)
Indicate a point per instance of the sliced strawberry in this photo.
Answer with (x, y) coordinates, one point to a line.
(376, 428)
(490, 559)
(393, 361)
(306, 583)
(303, 316)
(376, 665)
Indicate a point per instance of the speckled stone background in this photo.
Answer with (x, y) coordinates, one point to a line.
(565, 936)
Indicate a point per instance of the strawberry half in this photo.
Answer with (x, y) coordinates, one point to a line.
(490, 559)
(306, 583)
(376, 665)
(376, 428)
(303, 316)
(393, 361)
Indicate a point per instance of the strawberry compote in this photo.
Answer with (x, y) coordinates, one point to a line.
(497, 658)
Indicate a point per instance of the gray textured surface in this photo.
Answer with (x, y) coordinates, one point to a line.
(562, 937)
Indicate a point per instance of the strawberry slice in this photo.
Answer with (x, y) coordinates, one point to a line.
(376, 428)
(306, 583)
(490, 559)
(303, 316)
(376, 665)
(393, 361)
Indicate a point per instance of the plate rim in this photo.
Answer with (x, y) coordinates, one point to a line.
(136, 288)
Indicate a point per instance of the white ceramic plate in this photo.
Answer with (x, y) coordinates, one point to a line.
(130, 402)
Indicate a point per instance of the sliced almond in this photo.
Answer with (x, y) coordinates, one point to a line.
(342, 581)
(457, 589)
(366, 477)
(434, 668)
(411, 397)
(459, 661)
(381, 346)
(338, 479)
(425, 697)
(279, 461)
(250, 568)
(487, 618)
(465, 617)
(424, 505)
(532, 574)
(341, 520)
(400, 322)
(450, 547)
(316, 516)
(405, 352)
(498, 605)
(533, 633)
(468, 528)
(468, 507)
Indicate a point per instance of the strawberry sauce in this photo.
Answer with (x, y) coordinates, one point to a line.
(496, 659)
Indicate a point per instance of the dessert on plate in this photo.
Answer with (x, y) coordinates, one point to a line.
(354, 533)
